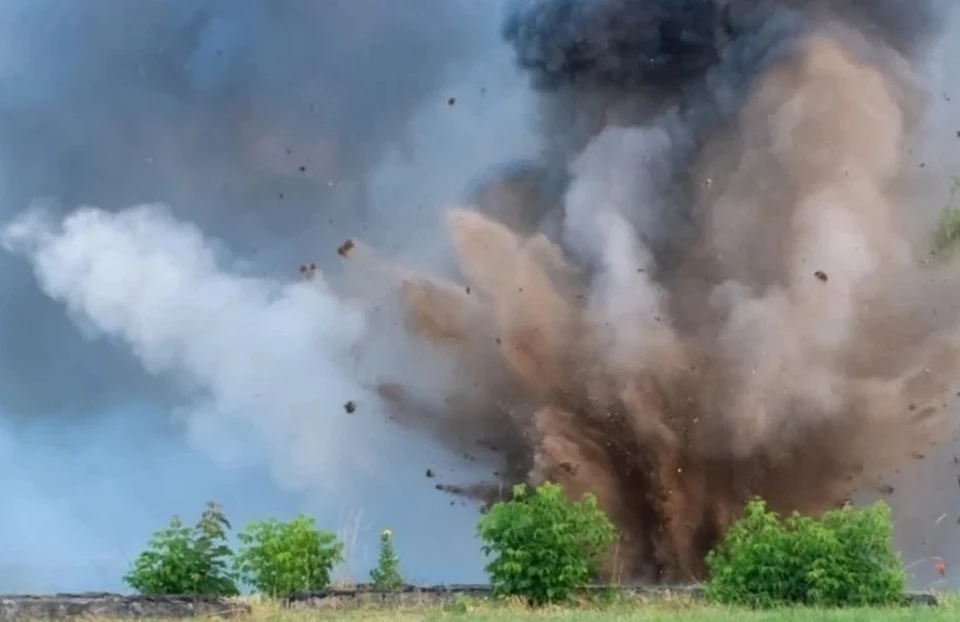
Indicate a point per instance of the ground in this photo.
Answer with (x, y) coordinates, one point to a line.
(678, 610)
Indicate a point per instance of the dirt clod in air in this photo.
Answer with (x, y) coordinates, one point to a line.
(344, 249)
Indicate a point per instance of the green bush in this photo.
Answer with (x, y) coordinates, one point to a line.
(186, 561)
(946, 237)
(386, 576)
(279, 559)
(543, 546)
(845, 558)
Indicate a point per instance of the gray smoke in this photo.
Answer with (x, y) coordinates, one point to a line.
(222, 144)
(258, 121)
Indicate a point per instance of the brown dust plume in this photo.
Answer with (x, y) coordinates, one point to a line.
(787, 340)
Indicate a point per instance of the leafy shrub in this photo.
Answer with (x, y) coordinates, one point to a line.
(279, 559)
(186, 561)
(386, 576)
(543, 546)
(947, 234)
(845, 558)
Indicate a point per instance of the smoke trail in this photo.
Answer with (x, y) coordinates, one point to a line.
(244, 117)
(154, 283)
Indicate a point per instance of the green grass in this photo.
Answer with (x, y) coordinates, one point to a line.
(654, 611)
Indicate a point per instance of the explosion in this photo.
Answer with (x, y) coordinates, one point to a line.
(709, 287)
(722, 304)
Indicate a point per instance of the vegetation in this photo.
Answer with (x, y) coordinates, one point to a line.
(386, 576)
(542, 546)
(279, 559)
(185, 560)
(845, 558)
(675, 610)
(947, 234)
(275, 558)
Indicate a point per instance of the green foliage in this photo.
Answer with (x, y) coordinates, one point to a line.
(279, 559)
(845, 558)
(543, 546)
(608, 596)
(459, 606)
(186, 561)
(386, 576)
(947, 235)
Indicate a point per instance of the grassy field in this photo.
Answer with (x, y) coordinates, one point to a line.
(651, 612)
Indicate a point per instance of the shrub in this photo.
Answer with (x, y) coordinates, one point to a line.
(845, 558)
(186, 561)
(386, 576)
(279, 559)
(543, 546)
(947, 233)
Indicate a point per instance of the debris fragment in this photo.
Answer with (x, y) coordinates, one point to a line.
(308, 270)
(345, 248)
(429, 473)
(350, 407)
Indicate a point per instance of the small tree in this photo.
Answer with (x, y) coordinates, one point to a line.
(543, 546)
(279, 559)
(186, 561)
(386, 576)
(844, 559)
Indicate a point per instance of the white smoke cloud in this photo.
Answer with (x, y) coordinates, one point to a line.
(265, 362)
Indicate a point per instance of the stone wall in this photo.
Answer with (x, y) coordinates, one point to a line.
(115, 606)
